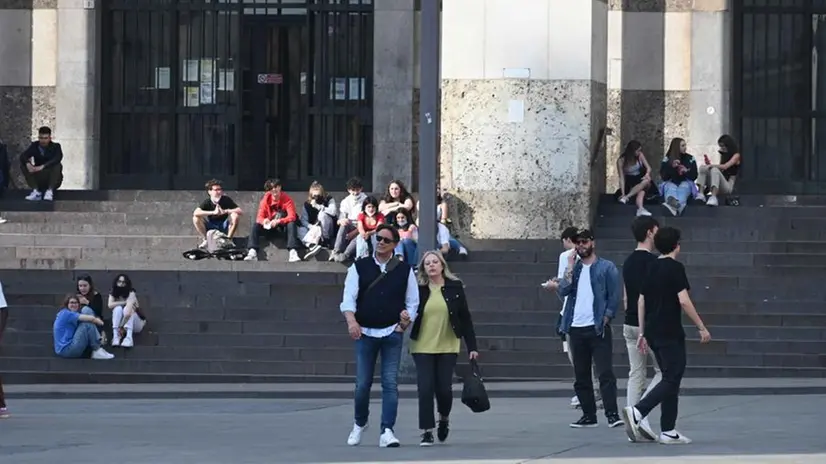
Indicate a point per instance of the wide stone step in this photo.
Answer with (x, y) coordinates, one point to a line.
(697, 211)
(722, 233)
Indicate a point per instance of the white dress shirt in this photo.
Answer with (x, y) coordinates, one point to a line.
(351, 293)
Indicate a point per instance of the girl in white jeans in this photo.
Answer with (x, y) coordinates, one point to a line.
(127, 318)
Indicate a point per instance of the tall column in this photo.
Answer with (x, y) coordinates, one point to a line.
(76, 96)
(523, 105)
(393, 81)
(28, 51)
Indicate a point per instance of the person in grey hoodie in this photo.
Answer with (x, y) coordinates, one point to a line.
(348, 212)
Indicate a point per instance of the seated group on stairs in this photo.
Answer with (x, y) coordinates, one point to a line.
(346, 229)
(80, 330)
(681, 177)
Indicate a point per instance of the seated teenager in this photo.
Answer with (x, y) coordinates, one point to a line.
(5, 173)
(447, 243)
(75, 331)
(90, 297)
(317, 220)
(721, 177)
(217, 212)
(678, 172)
(396, 197)
(408, 235)
(276, 216)
(41, 166)
(344, 247)
(368, 221)
(127, 317)
(441, 209)
(636, 176)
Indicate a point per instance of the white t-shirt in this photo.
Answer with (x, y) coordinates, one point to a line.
(442, 234)
(584, 307)
(3, 303)
(563, 265)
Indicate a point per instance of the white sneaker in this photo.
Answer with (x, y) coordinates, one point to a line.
(128, 342)
(355, 435)
(462, 251)
(674, 438)
(252, 255)
(293, 257)
(712, 201)
(3, 220)
(116, 338)
(646, 432)
(700, 197)
(388, 439)
(100, 353)
(35, 196)
(623, 200)
(643, 212)
(312, 250)
(49, 196)
(575, 402)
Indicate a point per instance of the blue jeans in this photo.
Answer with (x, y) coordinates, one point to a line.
(454, 244)
(681, 192)
(407, 247)
(367, 350)
(222, 226)
(86, 336)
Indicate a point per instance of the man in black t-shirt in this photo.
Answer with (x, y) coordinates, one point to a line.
(664, 298)
(217, 212)
(634, 271)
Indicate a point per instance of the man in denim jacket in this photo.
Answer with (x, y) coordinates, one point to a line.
(592, 285)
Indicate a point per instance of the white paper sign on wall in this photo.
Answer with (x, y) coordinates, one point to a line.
(89, 4)
(516, 110)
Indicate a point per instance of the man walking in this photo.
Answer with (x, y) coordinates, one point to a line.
(664, 298)
(381, 298)
(593, 290)
(634, 271)
(568, 237)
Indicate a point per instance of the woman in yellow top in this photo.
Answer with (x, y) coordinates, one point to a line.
(443, 320)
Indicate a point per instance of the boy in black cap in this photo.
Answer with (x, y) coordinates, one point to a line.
(592, 285)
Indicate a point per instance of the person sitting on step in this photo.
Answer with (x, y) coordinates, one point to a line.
(317, 220)
(678, 172)
(276, 216)
(409, 235)
(635, 176)
(720, 177)
(348, 213)
(396, 197)
(448, 244)
(90, 297)
(74, 331)
(127, 317)
(217, 212)
(368, 222)
(41, 166)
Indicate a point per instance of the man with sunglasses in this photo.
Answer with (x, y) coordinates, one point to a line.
(41, 166)
(381, 298)
(592, 285)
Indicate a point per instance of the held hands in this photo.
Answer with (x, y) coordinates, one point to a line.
(642, 344)
(83, 300)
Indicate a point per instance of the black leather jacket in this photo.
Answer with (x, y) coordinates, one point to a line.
(457, 308)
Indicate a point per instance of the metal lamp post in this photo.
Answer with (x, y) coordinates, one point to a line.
(429, 117)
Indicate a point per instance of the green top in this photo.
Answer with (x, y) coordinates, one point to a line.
(436, 335)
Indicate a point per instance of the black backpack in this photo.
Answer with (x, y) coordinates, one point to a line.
(218, 246)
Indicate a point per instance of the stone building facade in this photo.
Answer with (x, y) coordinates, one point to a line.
(538, 96)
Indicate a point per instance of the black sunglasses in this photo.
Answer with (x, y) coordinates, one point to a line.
(380, 239)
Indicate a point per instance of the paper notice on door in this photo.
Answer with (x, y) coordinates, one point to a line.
(207, 93)
(226, 80)
(191, 96)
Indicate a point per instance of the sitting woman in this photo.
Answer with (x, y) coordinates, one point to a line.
(443, 320)
(397, 197)
(74, 331)
(720, 177)
(409, 235)
(678, 172)
(127, 318)
(368, 221)
(635, 178)
(90, 297)
(317, 220)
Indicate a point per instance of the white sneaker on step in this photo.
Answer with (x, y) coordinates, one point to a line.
(252, 255)
(35, 196)
(100, 353)
(116, 338)
(294, 258)
(49, 195)
(128, 342)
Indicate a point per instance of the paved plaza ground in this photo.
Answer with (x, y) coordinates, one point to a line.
(726, 429)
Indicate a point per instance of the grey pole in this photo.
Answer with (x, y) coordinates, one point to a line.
(431, 17)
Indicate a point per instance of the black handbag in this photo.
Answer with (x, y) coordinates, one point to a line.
(474, 395)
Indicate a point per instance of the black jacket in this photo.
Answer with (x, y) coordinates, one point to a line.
(669, 172)
(52, 155)
(457, 308)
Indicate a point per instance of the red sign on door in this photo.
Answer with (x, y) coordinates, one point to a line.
(270, 78)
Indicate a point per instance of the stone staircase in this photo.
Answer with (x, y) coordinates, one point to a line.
(754, 272)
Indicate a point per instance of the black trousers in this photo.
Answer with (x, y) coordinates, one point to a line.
(671, 357)
(48, 178)
(434, 377)
(257, 231)
(588, 348)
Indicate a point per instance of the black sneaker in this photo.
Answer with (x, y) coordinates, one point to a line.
(614, 420)
(584, 422)
(443, 430)
(427, 439)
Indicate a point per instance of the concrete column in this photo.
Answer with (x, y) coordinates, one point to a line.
(76, 96)
(711, 58)
(523, 103)
(393, 81)
(28, 46)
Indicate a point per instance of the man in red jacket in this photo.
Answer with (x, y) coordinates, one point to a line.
(276, 216)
